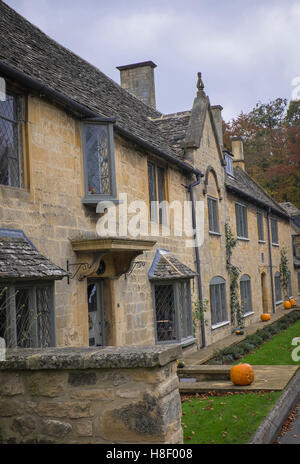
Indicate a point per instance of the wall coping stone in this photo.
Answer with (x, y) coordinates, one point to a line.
(110, 357)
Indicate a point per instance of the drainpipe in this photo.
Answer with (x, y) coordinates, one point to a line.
(191, 191)
(270, 260)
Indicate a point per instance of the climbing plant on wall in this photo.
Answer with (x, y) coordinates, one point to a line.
(234, 272)
(284, 272)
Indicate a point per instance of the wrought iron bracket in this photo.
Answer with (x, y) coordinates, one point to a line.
(135, 264)
(82, 266)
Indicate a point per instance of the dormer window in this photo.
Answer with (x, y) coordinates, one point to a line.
(229, 164)
(99, 165)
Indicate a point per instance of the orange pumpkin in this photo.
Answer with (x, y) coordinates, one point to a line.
(242, 374)
(265, 317)
(287, 305)
(293, 302)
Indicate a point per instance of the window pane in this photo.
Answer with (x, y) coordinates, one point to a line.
(274, 230)
(241, 221)
(3, 314)
(260, 226)
(98, 159)
(44, 316)
(298, 274)
(238, 220)
(10, 143)
(24, 318)
(152, 191)
(278, 287)
(213, 215)
(8, 108)
(185, 310)
(161, 190)
(218, 303)
(165, 313)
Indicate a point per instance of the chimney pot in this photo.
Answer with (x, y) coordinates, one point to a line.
(138, 78)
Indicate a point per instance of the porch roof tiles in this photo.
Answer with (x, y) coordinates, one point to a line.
(166, 266)
(19, 259)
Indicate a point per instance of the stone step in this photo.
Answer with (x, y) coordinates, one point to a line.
(266, 378)
(205, 372)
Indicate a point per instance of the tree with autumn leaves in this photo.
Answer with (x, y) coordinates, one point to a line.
(271, 136)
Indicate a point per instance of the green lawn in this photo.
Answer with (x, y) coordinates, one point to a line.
(225, 419)
(277, 350)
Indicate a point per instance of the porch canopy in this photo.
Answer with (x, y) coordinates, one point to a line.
(112, 256)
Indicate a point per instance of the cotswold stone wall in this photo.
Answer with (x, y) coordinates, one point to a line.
(84, 395)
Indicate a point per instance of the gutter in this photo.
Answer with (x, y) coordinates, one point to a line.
(90, 114)
(270, 259)
(198, 264)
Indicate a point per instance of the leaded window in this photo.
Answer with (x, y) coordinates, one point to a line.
(173, 311)
(213, 215)
(274, 231)
(241, 220)
(27, 317)
(11, 158)
(260, 226)
(217, 291)
(99, 166)
(246, 297)
(278, 294)
(156, 187)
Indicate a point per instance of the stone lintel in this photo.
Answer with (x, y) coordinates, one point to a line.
(110, 357)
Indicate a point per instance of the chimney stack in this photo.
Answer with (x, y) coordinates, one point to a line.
(238, 152)
(138, 78)
(217, 116)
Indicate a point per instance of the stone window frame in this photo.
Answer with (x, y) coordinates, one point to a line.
(158, 167)
(11, 316)
(246, 295)
(19, 99)
(94, 199)
(188, 337)
(213, 215)
(217, 294)
(241, 221)
(277, 285)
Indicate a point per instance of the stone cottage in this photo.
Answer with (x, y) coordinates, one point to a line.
(76, 148)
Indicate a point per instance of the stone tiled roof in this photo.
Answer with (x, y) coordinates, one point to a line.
(242, 184)
(166, 266)
(291, 209)
(19, 259)
(27, 49)
(174, 127)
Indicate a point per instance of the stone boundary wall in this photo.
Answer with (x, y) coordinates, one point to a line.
(87, 395)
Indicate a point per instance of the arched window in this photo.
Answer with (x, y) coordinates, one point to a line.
(277, 287)
(217, 291)
(246, 297)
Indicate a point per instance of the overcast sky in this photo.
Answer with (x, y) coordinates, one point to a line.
(247, 50)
